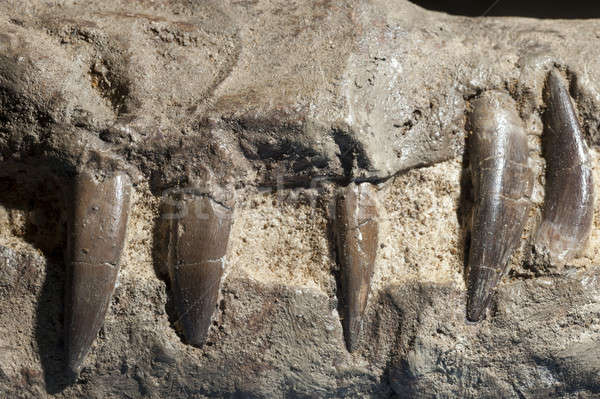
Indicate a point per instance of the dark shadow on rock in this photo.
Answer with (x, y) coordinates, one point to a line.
(49, 329)
(397, 371)
(463, 211)
(352, 152)
(41, 197)
(515, 8)
(412, 301)
(386, 327)
(577, 366)
(160, 261)
(333, 254)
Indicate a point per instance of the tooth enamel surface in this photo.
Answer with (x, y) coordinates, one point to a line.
(96, 238)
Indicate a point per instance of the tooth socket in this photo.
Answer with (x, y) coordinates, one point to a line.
(502, 184)
(198, 236)
(356, 233)
(97, 237)
(569, 200)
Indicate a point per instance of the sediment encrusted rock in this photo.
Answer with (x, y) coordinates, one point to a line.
(275, 105)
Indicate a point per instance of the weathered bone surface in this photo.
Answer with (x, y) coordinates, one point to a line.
(99, 223)
(356, 229)
(198, 237)
(241, 95)
(569, 201)
(502, 184)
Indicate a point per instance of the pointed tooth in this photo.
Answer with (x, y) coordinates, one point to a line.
(198, 239)
(502, 184)
(96, 242)
(569, 201)
(356, 231)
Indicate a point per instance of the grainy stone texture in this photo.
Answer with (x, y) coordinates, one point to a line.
(247, 97)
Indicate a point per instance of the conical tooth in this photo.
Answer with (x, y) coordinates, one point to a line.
(96, 242)
(199, 232)
(356, 231)
(568, 206)
(502, 184)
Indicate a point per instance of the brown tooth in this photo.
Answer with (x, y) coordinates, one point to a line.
(569, 203)
(356, 231)
(198, 236)
(502, 184)
(96, 242)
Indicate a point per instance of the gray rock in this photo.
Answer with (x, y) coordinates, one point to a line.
(539, 341)
(243, 95)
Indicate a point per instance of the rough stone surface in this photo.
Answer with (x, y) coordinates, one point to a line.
(275, 103)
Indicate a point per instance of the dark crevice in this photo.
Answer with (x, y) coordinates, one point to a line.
(40, 196)
(160, 255)
(352, 154)
(463, 212)
(514, 8)
(43, 198)
(309, 181)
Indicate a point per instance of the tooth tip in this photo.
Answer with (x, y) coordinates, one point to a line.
(482, 284)
(475, 313)
(196, 338)
(72, 371)
(353, 328)
(195, 325)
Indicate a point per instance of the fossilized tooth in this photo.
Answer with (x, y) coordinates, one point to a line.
(356, 230)
(569, 201)
(198, 236)
(97, 238)
(502, 184)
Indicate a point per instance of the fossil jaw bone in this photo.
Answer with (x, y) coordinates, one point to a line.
(198, 235)
(356, 231)
(96, 241)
